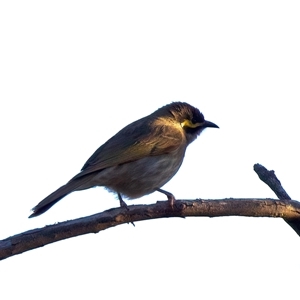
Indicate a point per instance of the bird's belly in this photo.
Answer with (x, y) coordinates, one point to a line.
(141, 177)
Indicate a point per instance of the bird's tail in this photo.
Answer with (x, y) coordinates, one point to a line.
(61, 192)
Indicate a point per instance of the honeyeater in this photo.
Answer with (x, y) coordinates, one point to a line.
(140, 158)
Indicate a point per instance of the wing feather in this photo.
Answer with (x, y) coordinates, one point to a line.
(137, 140)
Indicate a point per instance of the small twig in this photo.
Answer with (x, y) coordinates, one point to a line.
(269, 178)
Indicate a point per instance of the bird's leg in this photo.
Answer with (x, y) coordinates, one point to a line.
(122, 202)
(171, 198)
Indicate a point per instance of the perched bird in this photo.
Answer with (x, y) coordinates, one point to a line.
(140, 158)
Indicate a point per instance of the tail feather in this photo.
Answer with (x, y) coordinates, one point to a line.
(57, 195)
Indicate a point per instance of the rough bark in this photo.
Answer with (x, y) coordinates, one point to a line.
(284, 208)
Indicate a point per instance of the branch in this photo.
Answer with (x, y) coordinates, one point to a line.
(284, 208)
(40, 237)
(269, 178)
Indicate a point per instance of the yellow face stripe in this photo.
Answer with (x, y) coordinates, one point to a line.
(188, 123)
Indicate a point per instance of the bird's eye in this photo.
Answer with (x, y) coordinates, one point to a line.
(197, 119)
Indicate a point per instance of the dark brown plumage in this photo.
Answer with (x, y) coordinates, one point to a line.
(140, 158)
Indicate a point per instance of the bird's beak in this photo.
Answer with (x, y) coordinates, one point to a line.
(210, 124)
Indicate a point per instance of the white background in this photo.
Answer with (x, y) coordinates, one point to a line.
(73, 73)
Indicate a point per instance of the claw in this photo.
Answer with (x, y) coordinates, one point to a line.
(170, 196)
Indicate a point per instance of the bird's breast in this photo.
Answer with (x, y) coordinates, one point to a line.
(141, 177)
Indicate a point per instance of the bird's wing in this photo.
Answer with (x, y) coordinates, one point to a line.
(137, 140)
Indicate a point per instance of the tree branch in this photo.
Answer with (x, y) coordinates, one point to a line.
(269, 178)
(284, 208)
(183, 208)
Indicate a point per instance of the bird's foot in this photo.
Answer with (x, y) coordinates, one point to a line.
(123, 204)
(170, 196)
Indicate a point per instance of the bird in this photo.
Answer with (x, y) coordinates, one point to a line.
(139, 159)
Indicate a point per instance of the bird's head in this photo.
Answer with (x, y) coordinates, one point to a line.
(190, 118)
